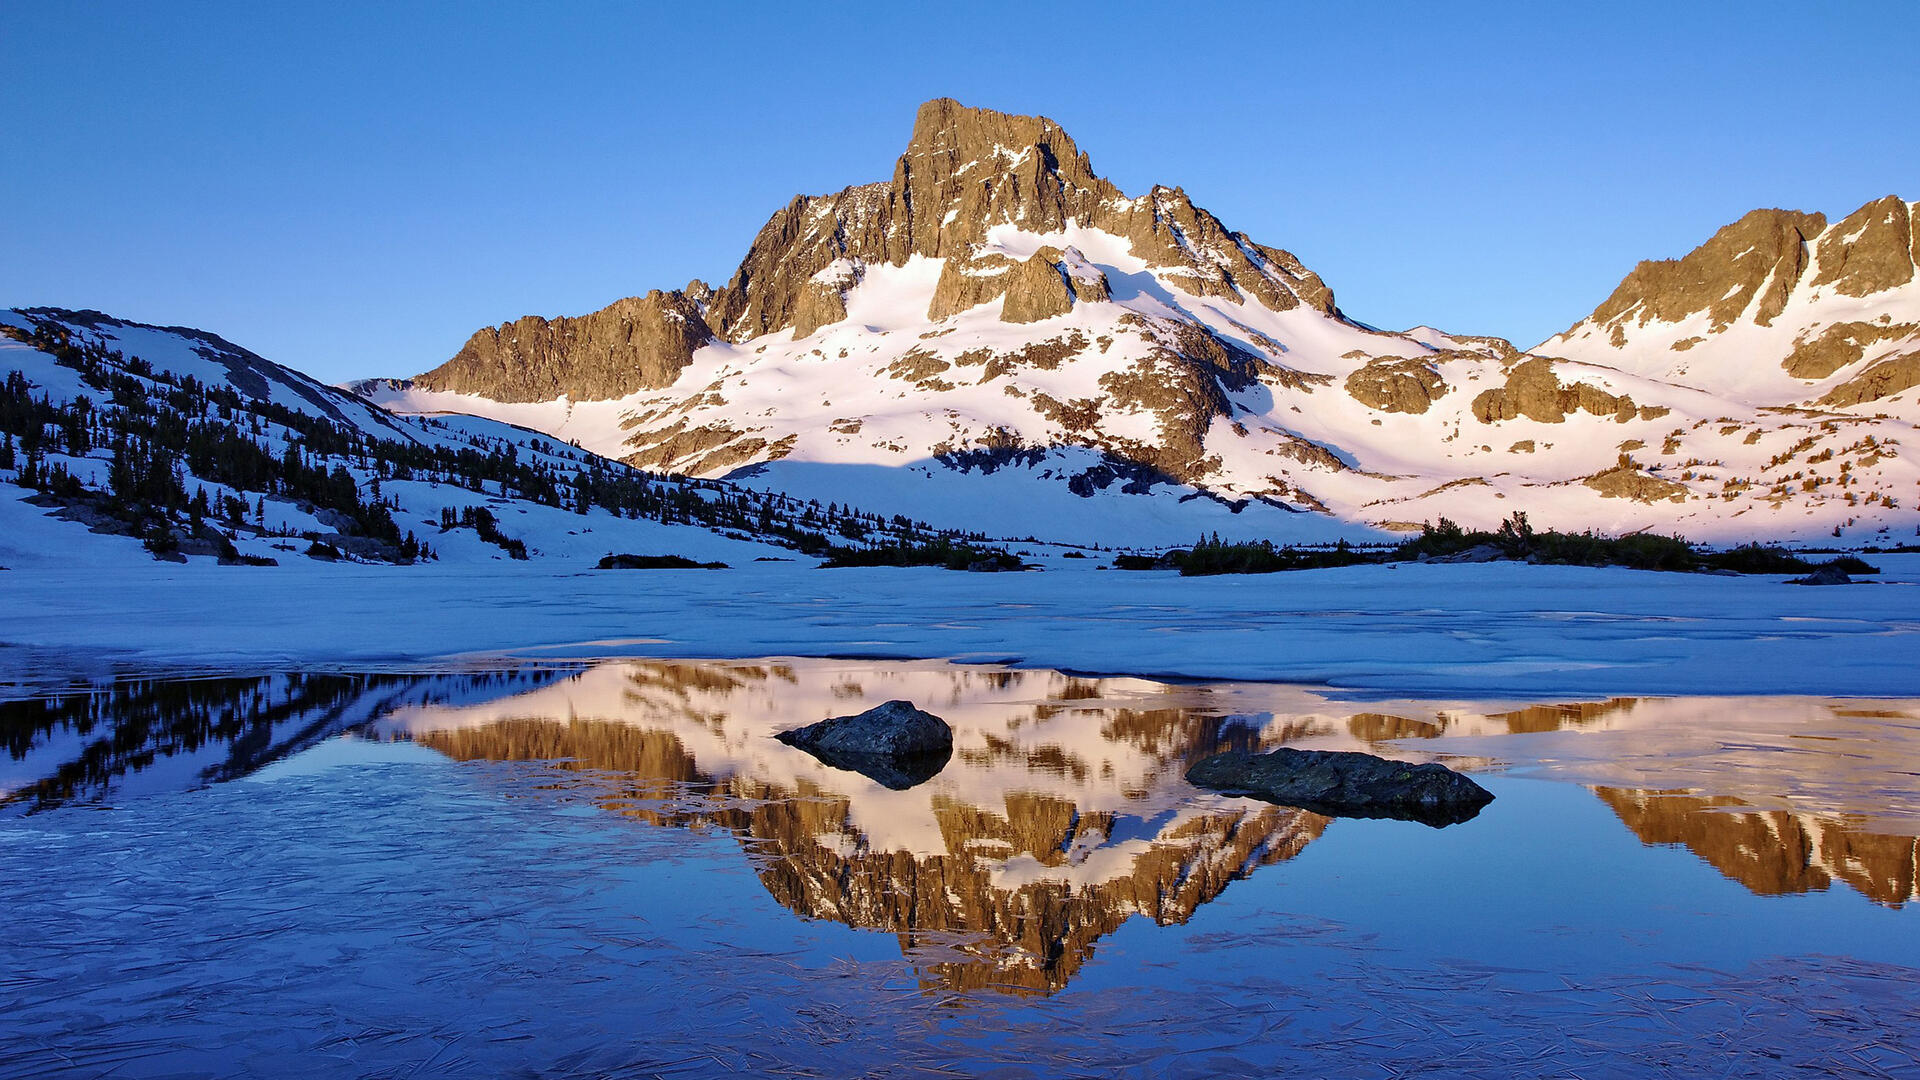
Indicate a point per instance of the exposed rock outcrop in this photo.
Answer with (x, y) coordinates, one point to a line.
(1049, 284)
(1627, 480)
(1872, 249)
(1534, 392)
(824, 300)
(1397, 385)
(1763, 255)
(1839, 345)
(638, 343)
(1884, 379)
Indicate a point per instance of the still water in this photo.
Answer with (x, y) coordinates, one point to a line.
(615, 869)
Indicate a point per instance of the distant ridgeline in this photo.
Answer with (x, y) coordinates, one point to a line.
(219, 448)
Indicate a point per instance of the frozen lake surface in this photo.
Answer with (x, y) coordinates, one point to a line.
(1498, 628)
(613, 868)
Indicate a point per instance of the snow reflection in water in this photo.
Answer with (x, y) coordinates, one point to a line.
(367, 906)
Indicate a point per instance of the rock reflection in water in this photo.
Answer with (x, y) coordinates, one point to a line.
(1062, 814)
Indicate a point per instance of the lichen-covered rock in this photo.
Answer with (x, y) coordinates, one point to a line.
(641, 342)
(1343, 784)
(895, 744)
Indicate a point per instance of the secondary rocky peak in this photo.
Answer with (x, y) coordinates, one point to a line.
(1750, 270)
(1765, 250)
(1870, 250)
(638, 343)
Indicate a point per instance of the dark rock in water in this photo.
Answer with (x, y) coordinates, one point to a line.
(655, 562)
(895, 745)
(1343, 784)
(1825, 575)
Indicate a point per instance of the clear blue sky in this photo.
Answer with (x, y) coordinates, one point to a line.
(353, 189)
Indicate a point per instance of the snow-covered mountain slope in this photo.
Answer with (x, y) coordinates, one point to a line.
(998, 338)
(122, 441)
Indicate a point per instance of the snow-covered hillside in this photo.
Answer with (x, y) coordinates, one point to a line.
(1000, 339)
(124, 442)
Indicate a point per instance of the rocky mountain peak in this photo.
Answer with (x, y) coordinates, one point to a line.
(1764, 250)
(1749, 271)
(966, 170)
(1873, 249)
(640, 342)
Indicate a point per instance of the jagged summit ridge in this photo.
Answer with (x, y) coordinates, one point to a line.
(964, 172)
(998, 316)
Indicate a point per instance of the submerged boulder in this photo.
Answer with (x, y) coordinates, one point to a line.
(896, 745)
(1342, 784)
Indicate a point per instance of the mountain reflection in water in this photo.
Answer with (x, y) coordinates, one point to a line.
(122, 738)
(1783, 795)
(1063, 812)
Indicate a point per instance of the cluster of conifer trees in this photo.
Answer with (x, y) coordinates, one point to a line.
(170, 435)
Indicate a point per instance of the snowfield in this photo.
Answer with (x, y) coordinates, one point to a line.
(1493, 629)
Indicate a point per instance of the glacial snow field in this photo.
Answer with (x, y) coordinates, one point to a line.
(1490, 629)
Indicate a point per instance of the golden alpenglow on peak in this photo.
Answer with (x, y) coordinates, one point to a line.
(996, 314)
